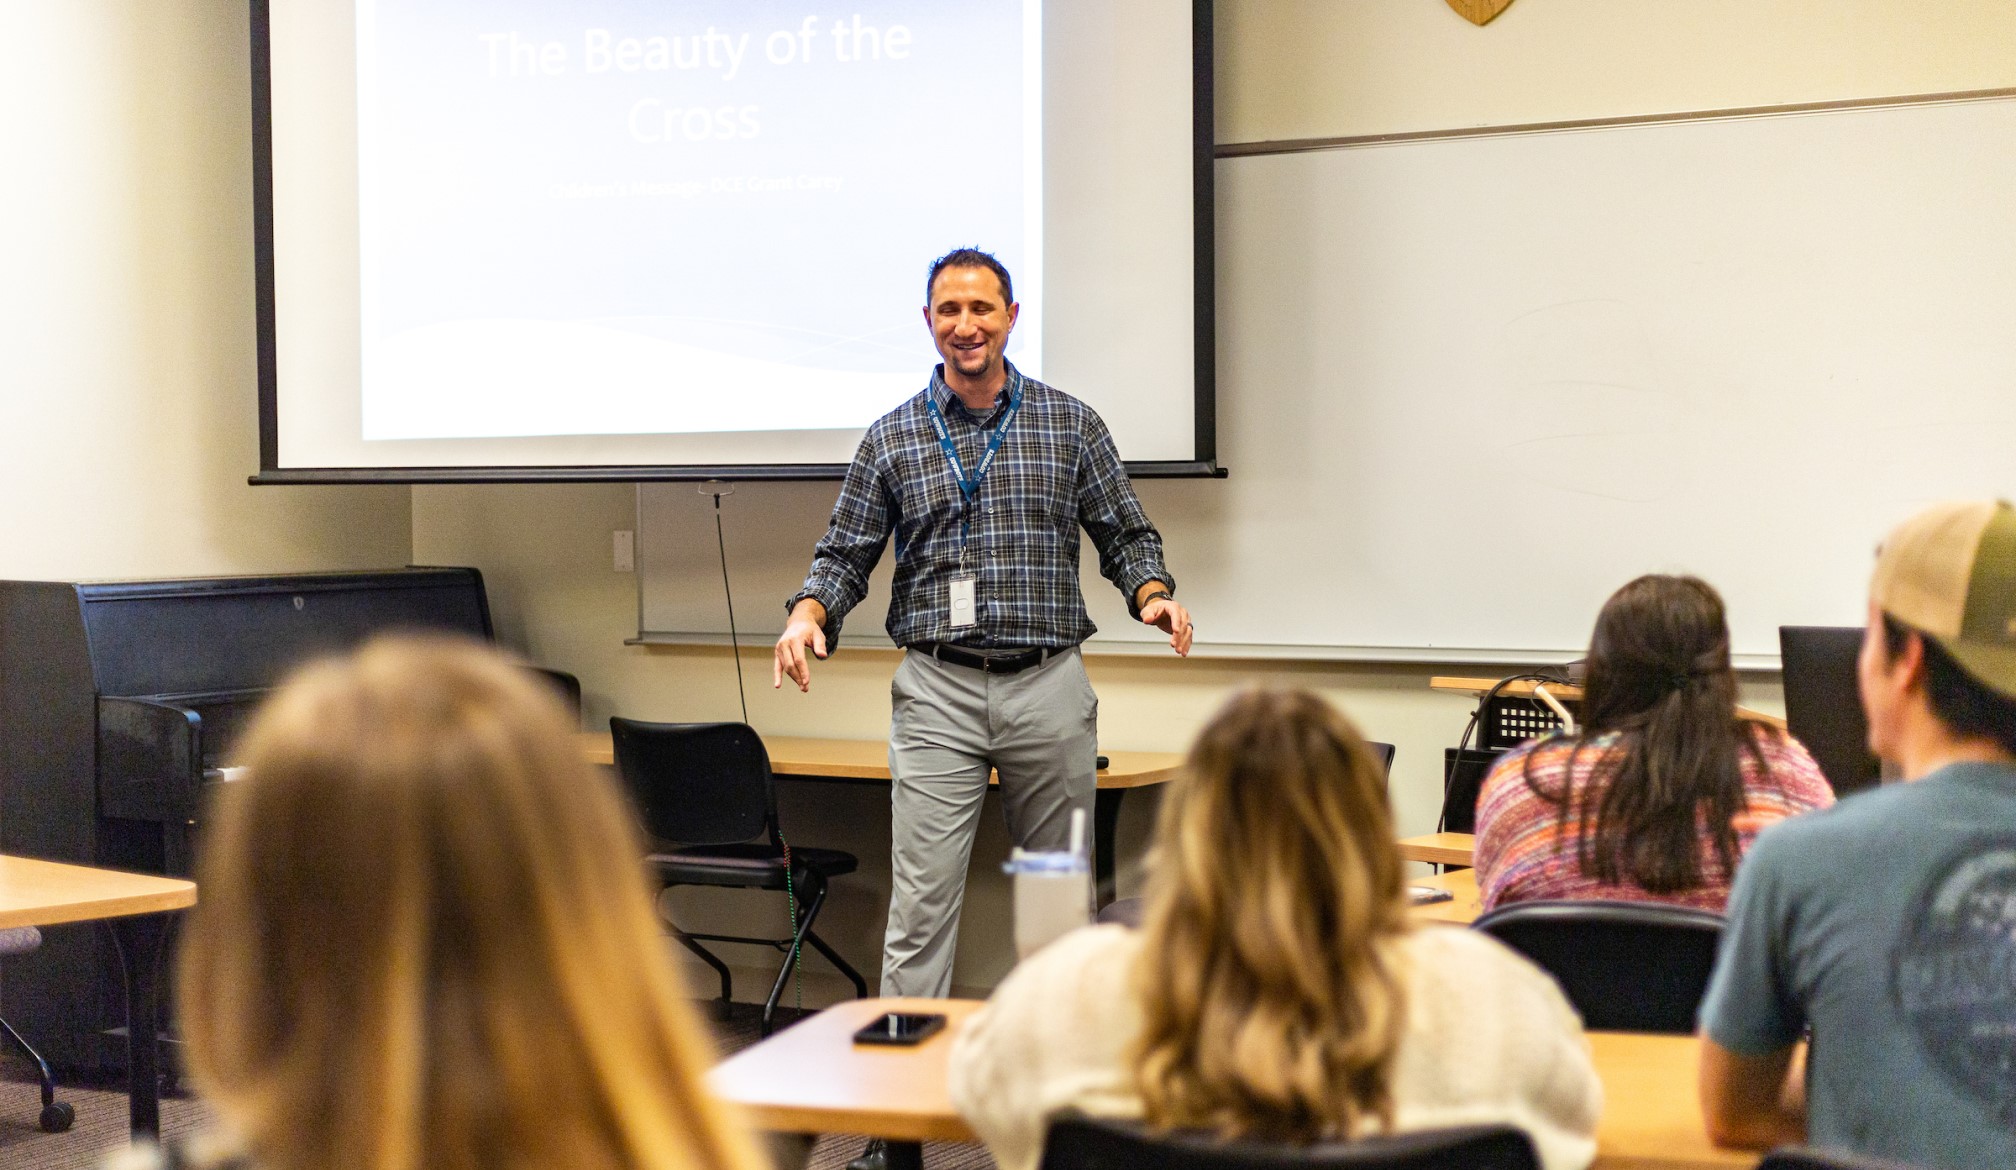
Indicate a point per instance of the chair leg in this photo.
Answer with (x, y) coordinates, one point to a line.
(57, 1116)
(712, 960)
(807, 911)
(846, 968)
(26, 1049)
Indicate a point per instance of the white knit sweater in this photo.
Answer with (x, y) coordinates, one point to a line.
(1489, 1040)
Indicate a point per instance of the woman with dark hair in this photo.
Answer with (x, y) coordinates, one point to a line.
(1662, 787)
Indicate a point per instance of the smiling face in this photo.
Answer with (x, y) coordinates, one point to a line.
(970, 321)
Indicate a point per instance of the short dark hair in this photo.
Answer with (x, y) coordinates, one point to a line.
(970, 258)
(1963, 703)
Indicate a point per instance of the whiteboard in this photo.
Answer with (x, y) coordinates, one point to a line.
(1469, 386)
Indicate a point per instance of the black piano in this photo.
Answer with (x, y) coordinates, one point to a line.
(119, 704)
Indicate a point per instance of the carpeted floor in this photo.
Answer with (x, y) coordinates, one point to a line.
(101, 1121)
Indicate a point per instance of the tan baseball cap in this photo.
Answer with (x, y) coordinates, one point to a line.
(1950, 573)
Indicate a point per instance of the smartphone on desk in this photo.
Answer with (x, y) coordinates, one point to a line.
(901, 1028)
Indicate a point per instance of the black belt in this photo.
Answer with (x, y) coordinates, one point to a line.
(1000, 662)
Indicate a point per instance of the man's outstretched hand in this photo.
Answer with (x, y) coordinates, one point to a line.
(1169, 616)
(806, 627)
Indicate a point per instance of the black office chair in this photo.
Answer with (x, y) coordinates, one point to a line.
(57, 1116)
(1127, 911)
(1807, 1158)
(565, 685)
(1823, 703)
(1383, 752)
(707, 800)
(1626, 966)
(1082, 1143)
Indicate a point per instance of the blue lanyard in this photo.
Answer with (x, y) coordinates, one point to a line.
(970, 487)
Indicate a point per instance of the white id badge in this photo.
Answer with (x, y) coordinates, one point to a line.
(961, 592)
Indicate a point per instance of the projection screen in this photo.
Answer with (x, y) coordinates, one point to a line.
(677, 239)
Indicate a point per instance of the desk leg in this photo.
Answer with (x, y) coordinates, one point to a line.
(1105, 824)
(140, 939)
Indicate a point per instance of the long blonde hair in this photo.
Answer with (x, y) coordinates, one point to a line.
(425, 942)
(1272, 1000)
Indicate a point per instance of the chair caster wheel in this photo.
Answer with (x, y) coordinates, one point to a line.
(57, 1116)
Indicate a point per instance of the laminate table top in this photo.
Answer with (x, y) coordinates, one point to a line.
(49, 893)
(1462, 909)
(1440, 848)
(868, 759)
(812, 1078)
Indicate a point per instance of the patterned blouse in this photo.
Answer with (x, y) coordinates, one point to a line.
(1523, 855)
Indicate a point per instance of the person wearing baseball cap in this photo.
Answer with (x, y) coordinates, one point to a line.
(1887, 924)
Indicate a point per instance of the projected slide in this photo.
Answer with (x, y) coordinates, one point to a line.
(624, 217)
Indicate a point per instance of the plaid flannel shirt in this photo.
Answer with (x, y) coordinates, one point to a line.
(1057, 470)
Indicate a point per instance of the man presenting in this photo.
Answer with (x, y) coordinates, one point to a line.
(1884, 924)
(984, 479)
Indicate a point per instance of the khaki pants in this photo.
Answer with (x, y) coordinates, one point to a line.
(1038, 728)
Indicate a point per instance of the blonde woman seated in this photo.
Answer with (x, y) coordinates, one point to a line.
(1277, 988)
(424, 941)
(1663, 787)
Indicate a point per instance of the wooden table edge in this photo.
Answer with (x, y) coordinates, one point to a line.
(1126, 770)
(894, 1127)
(1439, 848)
(1563, 691)
(161, 895)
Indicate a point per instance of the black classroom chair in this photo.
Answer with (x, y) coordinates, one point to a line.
(1383, 752)
(57, 1116)
(707, 800)
(1082, 1143)
(1626, 966)
(564, 685)
(1823, 703)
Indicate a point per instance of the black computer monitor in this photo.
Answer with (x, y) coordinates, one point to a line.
(1823, 707)
(1462, 780)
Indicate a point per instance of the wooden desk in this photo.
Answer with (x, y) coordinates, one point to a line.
(812, 1078)
(866, 761)
(1440, 848)
(49, 893)
(1523, 689)
(1651, 1106)
(1463, 909)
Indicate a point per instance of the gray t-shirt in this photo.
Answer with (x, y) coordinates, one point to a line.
(1888, 924)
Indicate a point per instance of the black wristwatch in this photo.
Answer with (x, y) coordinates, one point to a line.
(1158, 595)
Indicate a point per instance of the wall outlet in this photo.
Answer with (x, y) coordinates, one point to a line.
(625, 550)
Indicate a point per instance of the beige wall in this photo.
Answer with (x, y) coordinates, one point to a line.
(1337, 68)
(1287, 69)
(127, 389)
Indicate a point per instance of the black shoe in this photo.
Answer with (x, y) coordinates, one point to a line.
(874, 1156)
